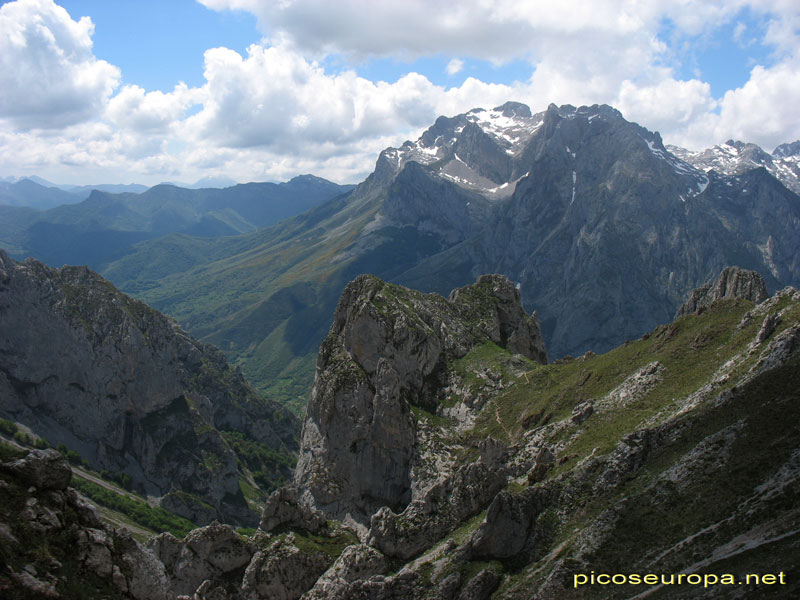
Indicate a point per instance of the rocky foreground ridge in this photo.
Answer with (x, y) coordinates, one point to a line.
(501, 477)
(84, 365)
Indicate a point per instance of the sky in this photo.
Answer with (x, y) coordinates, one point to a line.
(145, 91)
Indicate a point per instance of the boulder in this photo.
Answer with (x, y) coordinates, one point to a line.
(207, 553)
(282, 571)
(442, 508)
(508, 523)
(43, 469)
(356, 563)
(284, 509)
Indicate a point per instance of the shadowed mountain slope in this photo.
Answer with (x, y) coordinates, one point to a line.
(105, 226)
(84, 365)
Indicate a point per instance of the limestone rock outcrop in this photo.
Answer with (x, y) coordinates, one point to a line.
(43, 469)
(387, 352)
(508, 523)
(284, 509)
(732, 282)
(443, 507)
(215, 553)
(54, 545)
(356, 564)
(282, 571)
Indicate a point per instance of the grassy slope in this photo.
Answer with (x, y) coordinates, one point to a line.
(758, 429)
(264, 298)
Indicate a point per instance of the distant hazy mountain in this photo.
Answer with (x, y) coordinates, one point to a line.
(105, 225)
(32, 194)
(205, 182)
(601, 227)
(113, 188)
(41, 194)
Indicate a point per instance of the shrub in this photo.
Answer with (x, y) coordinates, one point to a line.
(23, 438)
(154, 518)
(8, 427)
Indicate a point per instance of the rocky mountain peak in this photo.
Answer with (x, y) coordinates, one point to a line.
(514, 109)
(475, 150)
(489, 152)
(389, 350)
(735, 157)
(732, 282)
(787, 150)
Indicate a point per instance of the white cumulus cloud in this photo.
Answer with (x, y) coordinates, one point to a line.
(49, 77)
(454, 66)
(150, 112)
(276, 111)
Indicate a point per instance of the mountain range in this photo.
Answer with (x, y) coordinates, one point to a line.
(105, 226)
(38, 193)
(602, 227)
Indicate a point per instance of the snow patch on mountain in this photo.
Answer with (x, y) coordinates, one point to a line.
(509, 128)
(510, 132)
(735, 158)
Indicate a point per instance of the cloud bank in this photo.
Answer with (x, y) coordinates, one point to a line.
(277, 111)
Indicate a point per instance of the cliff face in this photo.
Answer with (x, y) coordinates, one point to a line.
(390, 352)
(84, 365)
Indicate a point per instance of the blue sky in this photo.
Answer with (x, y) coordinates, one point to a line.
(96, 91)
(137, 35)
(159, 43)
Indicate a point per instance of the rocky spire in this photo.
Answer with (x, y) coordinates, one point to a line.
(733, 282)
(387, 351)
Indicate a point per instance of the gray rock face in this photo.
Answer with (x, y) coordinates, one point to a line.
(87, 366)
(508, 523)
(355, 565)
(282, 571)
(427, 519)
(733, 282)
(284, 509)
(382, 356)
(212, 553)
(59, 540)
(481, 586)
(43, 469)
